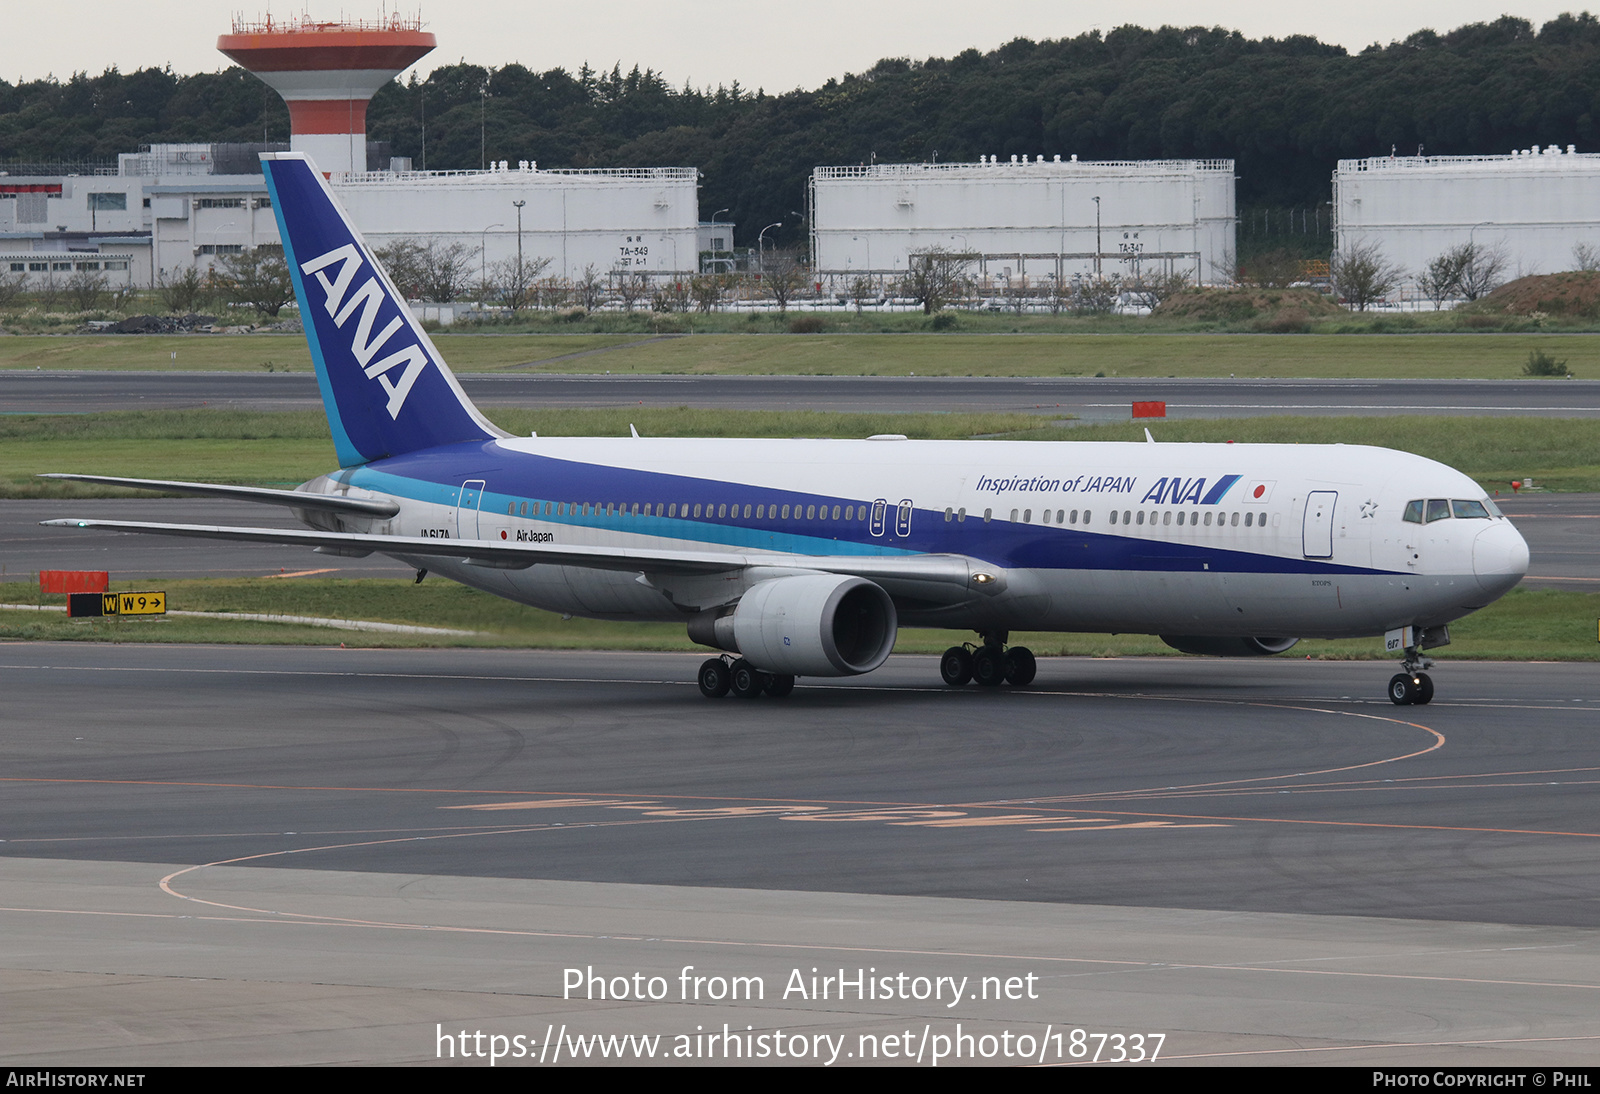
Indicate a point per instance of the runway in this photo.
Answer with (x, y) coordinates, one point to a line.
(1088, 398)
(318, 856)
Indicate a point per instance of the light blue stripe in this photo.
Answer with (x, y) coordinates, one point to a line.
(343, 449)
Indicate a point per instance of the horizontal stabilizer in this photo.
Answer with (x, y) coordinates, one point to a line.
(298, 499)
(956, 572)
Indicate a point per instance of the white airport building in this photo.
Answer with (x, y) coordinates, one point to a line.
(619, 221)
(1037, 219)
(1533, 206)
(170, 208)
(166, 211)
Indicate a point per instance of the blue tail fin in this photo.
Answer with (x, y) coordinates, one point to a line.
(385, 387)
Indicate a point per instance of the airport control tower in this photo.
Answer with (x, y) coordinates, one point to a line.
(326, 73)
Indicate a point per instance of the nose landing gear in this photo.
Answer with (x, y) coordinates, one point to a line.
(1413, 687)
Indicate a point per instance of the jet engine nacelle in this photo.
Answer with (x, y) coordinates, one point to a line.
(807, 625)
(1229, 647)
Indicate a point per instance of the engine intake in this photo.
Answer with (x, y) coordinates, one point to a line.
(808, 625)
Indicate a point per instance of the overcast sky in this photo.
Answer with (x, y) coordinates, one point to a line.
(772, 46)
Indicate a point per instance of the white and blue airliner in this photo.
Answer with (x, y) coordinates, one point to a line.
(804, 557)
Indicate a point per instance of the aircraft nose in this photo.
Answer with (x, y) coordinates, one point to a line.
(1499, 557)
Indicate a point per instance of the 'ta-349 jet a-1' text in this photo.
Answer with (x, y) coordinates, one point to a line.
(804, 557)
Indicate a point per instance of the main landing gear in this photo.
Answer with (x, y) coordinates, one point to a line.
(988, 664)
(721, 675)
(1412, 686)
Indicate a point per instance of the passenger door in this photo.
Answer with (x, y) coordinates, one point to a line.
(467, 509)
(1316, 531)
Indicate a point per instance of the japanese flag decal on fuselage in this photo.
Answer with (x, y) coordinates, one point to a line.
(384, 385)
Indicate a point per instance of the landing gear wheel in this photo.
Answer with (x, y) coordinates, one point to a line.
(1424, 689)
(989, 666)
(715, 679)
(1023, 666)
(779, 685)
(956, 666)
(1403, 689)
(745, 680)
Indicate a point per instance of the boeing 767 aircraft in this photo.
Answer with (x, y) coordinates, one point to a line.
(804, 557)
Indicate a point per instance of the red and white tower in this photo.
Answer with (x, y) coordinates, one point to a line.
(326, 73)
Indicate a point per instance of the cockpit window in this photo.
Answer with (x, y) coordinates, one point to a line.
(1494, 510)
(1468, 509)
(1438, 509)
(1414, 511)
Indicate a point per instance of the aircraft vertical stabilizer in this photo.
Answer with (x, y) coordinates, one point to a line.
(385, 387)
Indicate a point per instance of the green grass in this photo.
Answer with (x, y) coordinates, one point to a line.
(264, 448)
(289, 447)
(271, 352)
(1526, 625)
(1558, 453)
(1123, 353)
(231, 446)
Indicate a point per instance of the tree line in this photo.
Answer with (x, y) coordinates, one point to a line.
(1284, 109)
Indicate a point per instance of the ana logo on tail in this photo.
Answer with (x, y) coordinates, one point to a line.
(341, 304)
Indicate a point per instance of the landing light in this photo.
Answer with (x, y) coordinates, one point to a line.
(982, 579)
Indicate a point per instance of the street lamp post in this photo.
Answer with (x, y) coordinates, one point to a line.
(1097, 235)
(483, 249)
(519, 205)
(761, 246)
(210, 266)
(727, 262)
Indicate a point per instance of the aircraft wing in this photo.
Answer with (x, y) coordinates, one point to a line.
(299, 499)
(949, 572)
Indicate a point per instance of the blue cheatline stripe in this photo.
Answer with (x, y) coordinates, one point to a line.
(513, 478)
(343, 448)
(708, 531)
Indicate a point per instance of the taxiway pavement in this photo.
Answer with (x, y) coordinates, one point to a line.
(318, 855)
(1088, 398)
